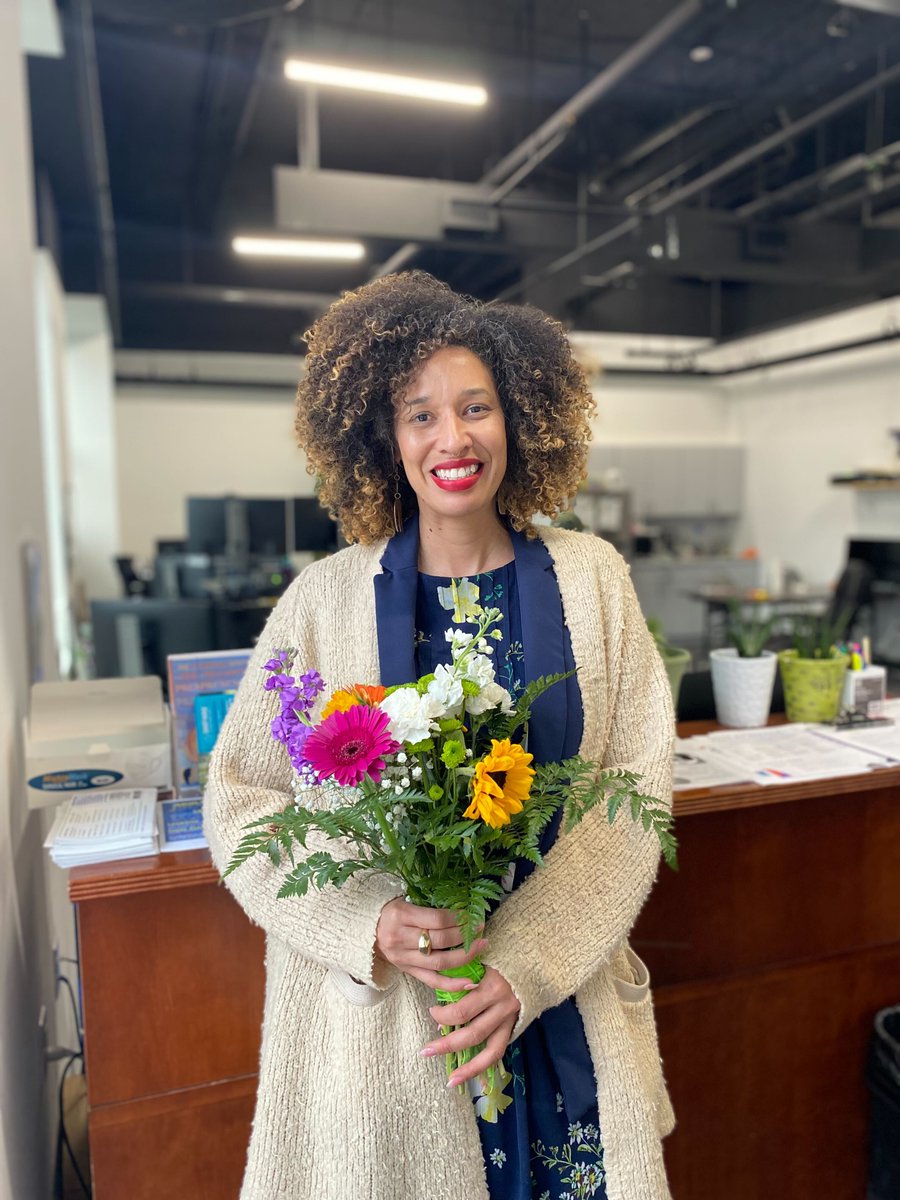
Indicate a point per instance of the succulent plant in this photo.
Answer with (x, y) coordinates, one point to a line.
(815, 637)
(748, 634)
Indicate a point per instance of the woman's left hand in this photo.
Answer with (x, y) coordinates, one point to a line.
(487, 1014)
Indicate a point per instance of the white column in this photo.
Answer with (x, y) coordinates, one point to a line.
(91, 437)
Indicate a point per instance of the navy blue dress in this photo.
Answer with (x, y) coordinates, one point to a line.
(547, 1144)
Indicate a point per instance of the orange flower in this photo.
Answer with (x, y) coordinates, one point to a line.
(359, 693)
(502, 783)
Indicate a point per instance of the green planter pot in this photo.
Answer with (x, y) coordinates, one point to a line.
(812, 686)
(676, 663)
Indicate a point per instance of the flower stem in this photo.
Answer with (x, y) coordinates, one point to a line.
(474, 971)
(392, 843)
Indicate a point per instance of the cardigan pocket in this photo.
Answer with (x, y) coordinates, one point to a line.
(361, 995)
(636, 1002)
(637, 988)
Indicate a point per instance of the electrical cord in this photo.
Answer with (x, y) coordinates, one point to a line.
(72, 1056)
(85, 1186)
(64, 979)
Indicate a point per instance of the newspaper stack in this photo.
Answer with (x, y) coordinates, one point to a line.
(104, 826)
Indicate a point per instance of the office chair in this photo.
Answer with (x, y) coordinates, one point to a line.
(853, 592)
(132, 584)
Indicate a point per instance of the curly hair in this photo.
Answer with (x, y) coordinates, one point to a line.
(369, 344)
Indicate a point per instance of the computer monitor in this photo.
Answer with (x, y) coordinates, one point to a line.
(314, 529)
(206, 525)
(135, 637)
(267, 528)
(881, 555)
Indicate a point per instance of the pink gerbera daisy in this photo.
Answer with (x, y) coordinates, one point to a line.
(350, 745)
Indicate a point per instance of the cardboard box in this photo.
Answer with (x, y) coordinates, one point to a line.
(96, 734)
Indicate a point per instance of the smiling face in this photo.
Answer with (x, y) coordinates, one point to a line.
(451, 435)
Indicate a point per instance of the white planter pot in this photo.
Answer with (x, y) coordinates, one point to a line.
(742, 687)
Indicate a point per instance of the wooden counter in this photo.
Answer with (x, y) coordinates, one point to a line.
(172, 982)
(770, 950)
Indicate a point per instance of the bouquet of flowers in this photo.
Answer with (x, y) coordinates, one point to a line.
(430, 782)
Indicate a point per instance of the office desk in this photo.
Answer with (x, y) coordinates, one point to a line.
(770, 951)
(172, 983)
(716, 601)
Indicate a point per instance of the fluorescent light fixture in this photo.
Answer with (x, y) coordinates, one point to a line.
(890, 7)
(269, 247)
(302, 71)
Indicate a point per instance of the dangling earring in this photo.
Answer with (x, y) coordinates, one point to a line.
(397, 512)
(501, 507)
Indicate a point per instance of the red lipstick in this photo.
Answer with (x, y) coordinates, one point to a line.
(464, 482)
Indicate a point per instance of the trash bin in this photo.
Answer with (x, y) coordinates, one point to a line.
(883, 1077)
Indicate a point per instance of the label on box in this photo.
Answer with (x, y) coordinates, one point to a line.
(182, 820)
(74, 781)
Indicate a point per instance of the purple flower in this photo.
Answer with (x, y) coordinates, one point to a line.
(278, 682)
(278, 663)
(281, 728)
(312, 683)
(295, 743)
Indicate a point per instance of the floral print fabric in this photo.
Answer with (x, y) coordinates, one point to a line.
(547, 1144)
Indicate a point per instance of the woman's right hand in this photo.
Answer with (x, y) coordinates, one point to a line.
(397, 942)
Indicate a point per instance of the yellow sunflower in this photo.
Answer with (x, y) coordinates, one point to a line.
(502, 783)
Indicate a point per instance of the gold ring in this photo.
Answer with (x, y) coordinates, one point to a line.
(425, 942)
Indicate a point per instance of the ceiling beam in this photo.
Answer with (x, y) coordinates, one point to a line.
(200, 293)
(729, 167)
(531, 151)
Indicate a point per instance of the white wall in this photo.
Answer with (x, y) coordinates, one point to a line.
(27, 1119)
(176, 441)
(801, 424)
(180, 440)
(658, 411)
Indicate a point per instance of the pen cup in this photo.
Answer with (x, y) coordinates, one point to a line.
(864, 691)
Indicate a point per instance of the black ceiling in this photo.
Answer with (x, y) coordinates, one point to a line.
(184, 108)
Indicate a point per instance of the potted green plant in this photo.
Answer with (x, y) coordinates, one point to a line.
(675, 658)
(813, 670)
(743, 674)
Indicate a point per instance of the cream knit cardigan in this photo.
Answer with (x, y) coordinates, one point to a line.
(347, 1109)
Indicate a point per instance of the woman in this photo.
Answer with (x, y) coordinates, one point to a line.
(438, 427)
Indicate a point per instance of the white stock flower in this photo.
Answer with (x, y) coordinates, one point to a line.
(458, 638)
(445, 690)
(492, 695)
(480, 670)
(410, 714)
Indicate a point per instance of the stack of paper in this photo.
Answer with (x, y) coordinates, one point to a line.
(104, 826)
(783, 754)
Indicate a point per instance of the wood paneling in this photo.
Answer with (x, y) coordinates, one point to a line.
(767, 1079)
(173, 988)
(183, 1146)
(771, 950)
(776, 884)
(172, 978)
